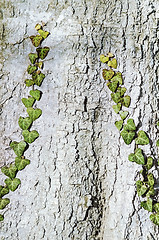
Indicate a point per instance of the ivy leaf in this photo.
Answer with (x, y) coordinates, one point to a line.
(18, 147)
(1, 217)
(156, 207)
(141, 188)
(9, 171)
(34, 113)
(39, 65)
(110, 55)
(151, 192)
(30, 137)
(31, 69)
(130, 126)
(36, 40)
(149, 164)
(155, 218)
(35, 94)
(113, 63)
(123, 114)
(157, 143)
(3, 191)
(127, 136)
(4, 202)
(44, 34)
(116, 97)
(150, 179)
(137, 157)
(121, 90)
(12, 184)
(25, 123)
(42, 52)
(119, 124)
(142, 138)
(29, 82)
(38, 78)
(158, 124)
(117, 107)
(108, 74)
(118, 77)
(38, 26)
(125, 101)
(21, 163)
(28, 102)
(104, 58)
(33, 57)
(113, 85)
(147, 205)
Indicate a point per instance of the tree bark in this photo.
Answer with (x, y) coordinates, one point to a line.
(80, 184)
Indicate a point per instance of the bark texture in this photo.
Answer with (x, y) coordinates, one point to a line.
(80, 184)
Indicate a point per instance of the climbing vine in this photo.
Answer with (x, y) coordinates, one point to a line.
(11, 183)
(129, 132)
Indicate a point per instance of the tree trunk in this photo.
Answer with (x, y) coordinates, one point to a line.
(80, 184)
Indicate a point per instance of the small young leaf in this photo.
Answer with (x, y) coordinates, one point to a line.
(44, 34)
(1, 217)
(31, 69)
(147, 205)
(29, 82)
(113, 63)
(142, 138)
(113, 85)
(21, 163)
(30, 137)
(39, 65)
(38, 78)
(38, 26)
(10, 171)
(118, 77)
(104, 58)
(116, 97)
(36, 40)
(149, 164)
(12, 184)
(130, 126)
(155, 218)
(125, 101)
(127, 136)
(34, 113)
(156, 207)
(123, 114)
(28, 102)
(25, 123)
(117, 108)
(18, 147)
(33, 57)
(35, 94)
(119, 124)
(110, 55)
(137, 157)
(141, 188)
(4, 202)
(108, 74)
(150, 179)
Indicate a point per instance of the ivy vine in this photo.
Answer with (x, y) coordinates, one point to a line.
(34, 69)
(129, 132)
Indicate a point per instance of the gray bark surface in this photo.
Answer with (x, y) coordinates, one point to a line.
(80, 184)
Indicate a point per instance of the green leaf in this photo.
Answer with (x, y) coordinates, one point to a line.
(18, 147)
(35, 94)
(125, 101)
(33, 57)
(117, 107)
(142, 138)
(42, 52)
(119, 124)
(3, 191)
(21, 163)
(116, 97)
(39, 65)
(123, 114)
(104, 58)
(1, 217)
(121, 90)
(137, 157)
(155, 218)
(149, 164)
(151, 192)
(31, 69)
(156, 207)
(113, 85)
(9, 171)
(38, 78)
(4, 202)
(157, 143)
(28, 102)
(158, 124)
(12, 184)
(29, 82)
(150, 179)
(118, 77)
(108, 74)
(147, 205)
(130, 126)
(127, 136)
(34, 113)
(38, 26)
(141, 188)
(36, 40)
(30, 137)
(44, 34)
(113, 63)
(25, 123)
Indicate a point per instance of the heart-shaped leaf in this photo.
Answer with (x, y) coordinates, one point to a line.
(137, 157)
(121, 90)
(4, 202)
(10, 171)
(117, 108)
(142, 138)
(31, 69)
(113, 63)
(130, 126)
(141, 188)
(39, 65)
(35, 94)
(18, 147)
(151, 192)
(110, 54)
(3, 191)
(25, 123)
(155, 218)
(29, 82)
(44, 34)
(116, 97)
(38, 78)
(127, 136)
(108, 74)
(33, 57)
(42, 52)
(119, 124)
(30, 137)
(1, 217)
(150, 179)
(149, 164)
(126, 101)
(38, 26)
(147, 205)
(113, 85)
(34, 113)
(28, 102)
(104, 58)
(36, 40)
(12, 184)
(124, 114)
(21, 163)
(156, 207)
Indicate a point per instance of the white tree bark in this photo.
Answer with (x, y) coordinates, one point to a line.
(80, 184)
